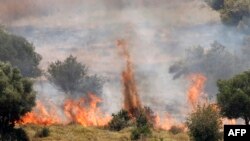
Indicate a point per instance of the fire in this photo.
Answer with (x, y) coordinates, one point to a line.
(78, 111)
(164, 123)
(229, 121)
(40, 115)
(195, 90)
(132, 102)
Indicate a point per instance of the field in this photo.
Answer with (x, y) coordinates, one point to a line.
(80, 133)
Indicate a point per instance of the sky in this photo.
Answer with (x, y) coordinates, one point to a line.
(157, 31)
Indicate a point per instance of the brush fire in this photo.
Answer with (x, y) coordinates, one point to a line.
(133, 69)
(86, 111)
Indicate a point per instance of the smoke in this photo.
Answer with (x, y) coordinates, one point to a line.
(158, 32)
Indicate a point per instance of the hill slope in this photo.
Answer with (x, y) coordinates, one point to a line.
(80, 133)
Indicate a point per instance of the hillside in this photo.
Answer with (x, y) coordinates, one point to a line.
(80, 133)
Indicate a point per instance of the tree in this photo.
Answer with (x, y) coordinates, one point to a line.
(20, 53)
(232, 12)
(234, 97)
(71, 77)
(204, 123)
(17, 96)
(215, 4)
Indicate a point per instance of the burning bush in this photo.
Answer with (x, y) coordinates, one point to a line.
(119, 121)
(205, 123)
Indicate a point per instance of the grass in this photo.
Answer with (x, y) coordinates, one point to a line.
(79, 133)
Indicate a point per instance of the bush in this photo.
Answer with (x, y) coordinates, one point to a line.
(17, 97)
(44, 132)
(14, 135)
(175, 130)
(142, 129)
(205, 123)
(119, 121)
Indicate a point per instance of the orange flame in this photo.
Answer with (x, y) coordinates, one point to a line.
(131, 99)
(164, 123)
(77, 111)
(40, 115)
(196, 88)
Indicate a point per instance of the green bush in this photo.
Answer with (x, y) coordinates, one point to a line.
(119, 121)
(204, 124)
(44, 132)
(14, 135)
(176, 130)
(142, 129)
(17, 97)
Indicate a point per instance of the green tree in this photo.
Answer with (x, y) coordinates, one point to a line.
(232, 12)
(234, 97)
(215, 4)
(71, 77)
(204, 123)
(16, 96)
(20, 53)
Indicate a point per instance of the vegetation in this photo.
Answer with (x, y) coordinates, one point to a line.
(71, 77)
(215, 4)
(44, 132)
(79, 133)
(232, 12)
(142, 129)
(176, 129)
(20, 53)
(204, 124)
(16, 97)
(234, 96)
(15, 135)
(119, 121)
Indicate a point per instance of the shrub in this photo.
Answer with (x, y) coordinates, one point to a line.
(44, 132)
(205, 123)
(119, 121)
(14, 135)
(17, 97)
(175, 130)
(142, 129)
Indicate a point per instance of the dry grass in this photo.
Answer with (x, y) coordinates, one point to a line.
(80, 133)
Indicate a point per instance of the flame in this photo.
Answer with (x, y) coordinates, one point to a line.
(77, 111)
(40, 115)
(132, 102)
(229, 121)
(164, 123)
(195, 90)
